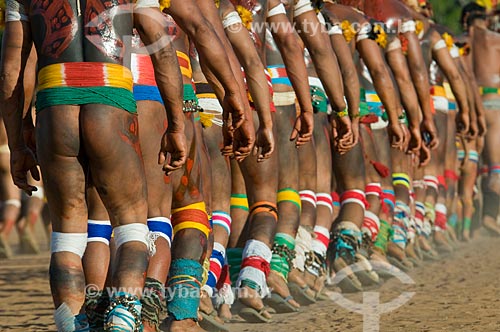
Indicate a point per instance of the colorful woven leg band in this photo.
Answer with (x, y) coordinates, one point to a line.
(255, 266)
(183, 297)
(289, 195)
(95, 305)
(239, 201)
(154, 305)
(430, 212)
(494, 169)
(399, 236)
(303, 246)
(222, 219)
(264, 207)
(217, 261)
(401, 179)
(371, 225)
(346, 239)
(441, 217)
(385, 232)
(66, 321)
(282, 254)
(123, 313)
(193, 216)
(388, 200)
(321, 240)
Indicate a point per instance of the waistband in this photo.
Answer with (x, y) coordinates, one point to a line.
(104, 95)
(142, 69)
(441, 103)
(279, 75)
(85, 75)
(207, 99)
(484, 90)
(374, 103)
(147, 92)
(190, 99)
(438, 91)
(318, 96)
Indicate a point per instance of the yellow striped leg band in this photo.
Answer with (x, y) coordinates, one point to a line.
(239, 201)
(289, 195)
(401, 179)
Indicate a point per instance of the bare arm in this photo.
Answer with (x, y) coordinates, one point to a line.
(447, 65)
(325, 62)
(293, 58)
(190, 18)
(256, 79)
(168, 77)
(351, 83)
(247, 55)
(399, 66)
(16, 48)
(420, 77)
(201, 21)
(382, 81)
(349, 74)
(148, 22)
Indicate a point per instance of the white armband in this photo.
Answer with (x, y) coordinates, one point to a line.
(364, 32)
(147, 4)
(408, 26)
(231, 18)
(15, 11)
(393, 45)
(455, 51)
(439, 45)
(301, 7)
(279, 9)
(321, 19)
(335, 30)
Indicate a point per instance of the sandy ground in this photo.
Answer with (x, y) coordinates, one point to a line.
(459, 293)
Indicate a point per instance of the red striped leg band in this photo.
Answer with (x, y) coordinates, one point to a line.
(320, 243)
(374, 189)
(335, 199)
(451, 175)
(324, 199)
(431, 181)
(355, 196)
(442, 181)
(308, 196)
(222, 219)
(371, 224)
(441, 219)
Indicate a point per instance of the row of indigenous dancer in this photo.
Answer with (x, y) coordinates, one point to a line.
(206, 159)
